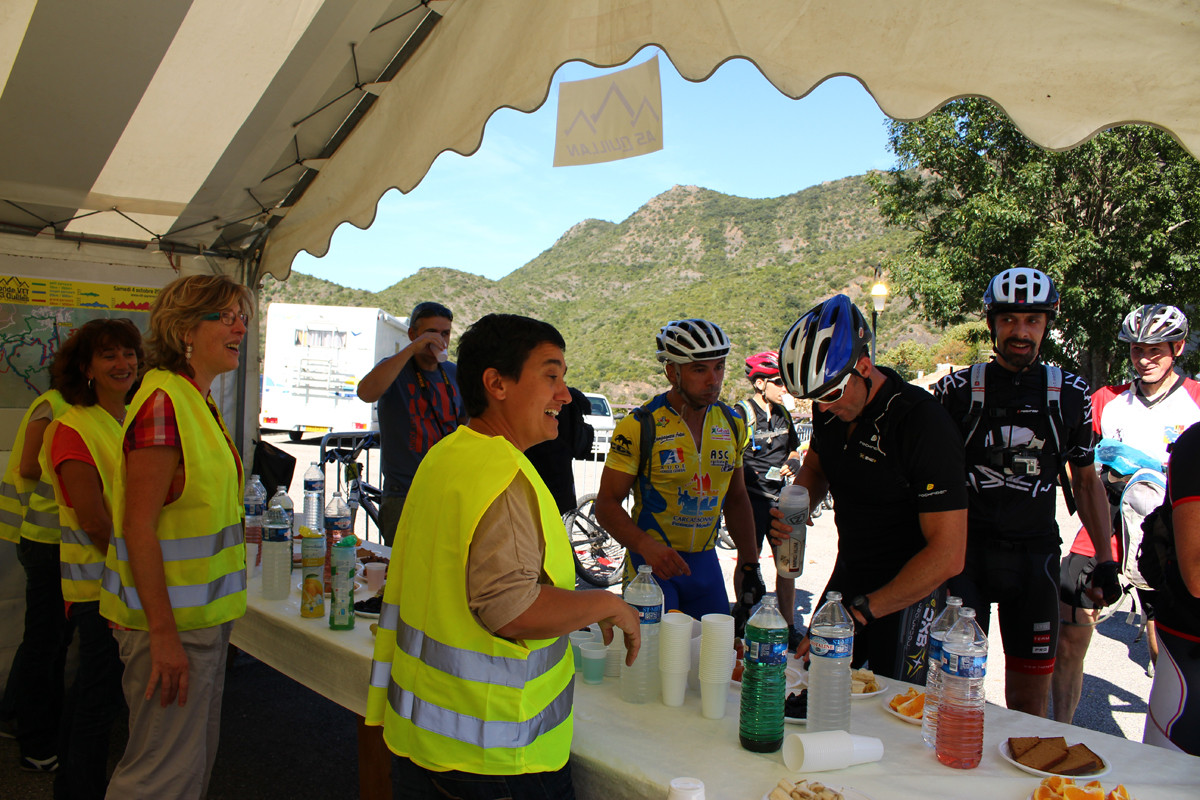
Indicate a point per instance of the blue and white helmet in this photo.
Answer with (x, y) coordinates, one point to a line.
(1154, 323)
(1021, 289)
(823, 346)
(685, 340)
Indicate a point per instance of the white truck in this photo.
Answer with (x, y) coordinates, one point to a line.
(314, 359)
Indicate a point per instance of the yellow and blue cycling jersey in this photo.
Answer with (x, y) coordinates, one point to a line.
(680, 501)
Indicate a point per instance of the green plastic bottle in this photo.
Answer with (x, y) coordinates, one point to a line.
(341, 597)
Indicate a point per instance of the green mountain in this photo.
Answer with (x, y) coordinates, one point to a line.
(752, 266)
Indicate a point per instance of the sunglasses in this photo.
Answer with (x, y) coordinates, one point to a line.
(226, 317)
(835, 394)
(778, 381)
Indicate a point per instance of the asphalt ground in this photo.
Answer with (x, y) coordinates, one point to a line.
(281, 740)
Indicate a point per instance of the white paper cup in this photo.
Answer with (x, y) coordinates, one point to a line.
(376, 573)
(826, 750)
(686, 789)
(713, 695)
(674, 685)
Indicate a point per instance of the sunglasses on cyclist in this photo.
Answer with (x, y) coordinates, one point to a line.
(226, 317)
(835, 394)
(778, 381)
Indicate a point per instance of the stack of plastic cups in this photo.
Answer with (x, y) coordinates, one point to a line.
(716, 663)
(674, 656)
(615, 656)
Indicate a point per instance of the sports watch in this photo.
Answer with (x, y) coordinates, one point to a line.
(864, 607)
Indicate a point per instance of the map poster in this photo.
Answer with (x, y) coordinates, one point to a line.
(38, 314)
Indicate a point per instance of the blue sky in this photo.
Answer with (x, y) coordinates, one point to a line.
(493, 212)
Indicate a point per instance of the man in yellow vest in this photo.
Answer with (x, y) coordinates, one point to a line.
(473, 678)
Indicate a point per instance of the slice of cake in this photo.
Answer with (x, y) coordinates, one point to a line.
(1020, 745)
(1079, 761)
(1045, 755)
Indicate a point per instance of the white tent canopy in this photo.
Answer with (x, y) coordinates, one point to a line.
(231, 134)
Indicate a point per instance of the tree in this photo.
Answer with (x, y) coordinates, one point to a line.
(1115, 222)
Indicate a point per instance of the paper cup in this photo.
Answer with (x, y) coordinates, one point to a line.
(826, 750)
(674, 685)
(577, 638)
(376, 573)
(712, 698)
(595, 654)
(616, 655)
(686, 789)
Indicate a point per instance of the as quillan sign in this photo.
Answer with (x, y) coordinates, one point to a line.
(611, 117)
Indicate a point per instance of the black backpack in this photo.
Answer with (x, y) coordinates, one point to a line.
(1158, 562)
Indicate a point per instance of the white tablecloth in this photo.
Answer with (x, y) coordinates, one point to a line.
(629, 752)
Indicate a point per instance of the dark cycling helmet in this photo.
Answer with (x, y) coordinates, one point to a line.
(1153, 323)
(763, 365)
(823, 346)
(1021, 289)
(686, 340)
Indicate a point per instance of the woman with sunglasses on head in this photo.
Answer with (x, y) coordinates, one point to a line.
(175, 580)
(893, 459)
(95, 370)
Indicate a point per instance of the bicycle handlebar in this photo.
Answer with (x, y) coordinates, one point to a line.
(342, 451)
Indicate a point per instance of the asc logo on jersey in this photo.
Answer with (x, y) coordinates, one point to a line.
(720, 460)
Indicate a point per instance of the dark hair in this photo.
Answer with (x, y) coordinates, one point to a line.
(181, 305)
(428, 309)
(502, 342)
(67, 372)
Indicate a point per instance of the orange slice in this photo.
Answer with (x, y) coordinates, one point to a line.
(1057, 783)
(1118, 793)
(1046, 793)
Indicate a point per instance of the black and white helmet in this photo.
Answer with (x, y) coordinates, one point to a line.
(1153, 323)
(685, 340)
(1021, 289)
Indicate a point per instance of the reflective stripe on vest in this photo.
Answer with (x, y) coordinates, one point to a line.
(41, 522)
(15, 491)
(200, 533)
(82, 563)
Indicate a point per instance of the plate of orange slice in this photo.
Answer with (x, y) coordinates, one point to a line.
(1058, 787)
(907, 705)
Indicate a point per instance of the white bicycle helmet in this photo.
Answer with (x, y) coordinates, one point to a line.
(823, 346)
(1153, 323)
(685, 340)
(1021, 289)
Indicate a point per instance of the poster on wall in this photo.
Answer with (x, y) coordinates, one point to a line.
(37, 315)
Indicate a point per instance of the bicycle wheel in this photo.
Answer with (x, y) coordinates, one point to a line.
(599, 558)
(724, 540)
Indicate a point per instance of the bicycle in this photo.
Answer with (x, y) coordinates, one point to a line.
(599, 558)
(345, 449)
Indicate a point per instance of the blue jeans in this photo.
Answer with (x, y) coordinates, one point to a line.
(39, 695)
(92, 706)
(412, 782)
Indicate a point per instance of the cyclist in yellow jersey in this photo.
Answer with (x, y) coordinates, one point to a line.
(693, 472)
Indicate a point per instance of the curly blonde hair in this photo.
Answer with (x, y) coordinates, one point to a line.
(180, 306)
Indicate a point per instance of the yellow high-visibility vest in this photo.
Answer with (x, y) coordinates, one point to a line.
(200, 533)
(21, 498)
(449, 694)
(82, 562)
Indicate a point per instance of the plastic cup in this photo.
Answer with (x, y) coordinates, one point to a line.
(712, 698)
(674, 685)
(686, 789)
(376, 573)
(577, 638)
(595, 654)
(616, 655)
(826, 750)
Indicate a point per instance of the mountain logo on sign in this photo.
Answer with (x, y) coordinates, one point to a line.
(14, 290)
(614, 92)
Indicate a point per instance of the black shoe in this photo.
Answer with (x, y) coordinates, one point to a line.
(795, 637)
(49, 764)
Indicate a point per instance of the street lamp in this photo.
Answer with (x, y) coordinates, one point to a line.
(879, 295)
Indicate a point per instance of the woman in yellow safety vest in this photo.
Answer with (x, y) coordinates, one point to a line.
(174, 578)
(29, 518)
(95, 371)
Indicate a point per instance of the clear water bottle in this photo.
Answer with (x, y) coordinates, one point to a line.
(640, 683)
(337, 525)
(341, 598)
(281, 499)
(314, 498)
(764, 684)
(276, 554)
(255, 502)
(789, 556)
(933, 675)
(960, 711)
(831, 644)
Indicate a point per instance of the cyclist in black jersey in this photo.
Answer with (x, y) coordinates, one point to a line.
(893, 460)
(1024, 425)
